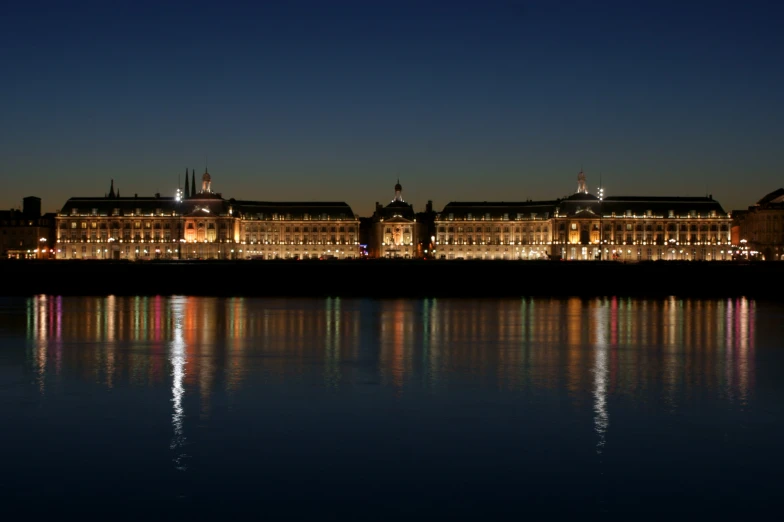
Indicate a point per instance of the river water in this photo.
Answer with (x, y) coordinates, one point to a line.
(338, 409)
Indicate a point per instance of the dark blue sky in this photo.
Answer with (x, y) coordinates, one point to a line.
(334, 99)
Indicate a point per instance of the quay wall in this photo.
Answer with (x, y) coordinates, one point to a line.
(394, 278)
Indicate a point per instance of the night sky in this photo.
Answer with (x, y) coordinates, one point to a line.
(333, 100)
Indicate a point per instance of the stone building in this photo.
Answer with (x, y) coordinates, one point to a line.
(395, 228)
(26, 233)
(585, 226)
(760, 228)
(201, 224)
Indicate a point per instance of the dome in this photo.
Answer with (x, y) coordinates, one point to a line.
(206, 176)
(398, 187)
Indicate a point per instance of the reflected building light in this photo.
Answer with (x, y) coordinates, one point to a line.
(177, 358)
(434, 351)
(110, 311)
(37, 306)
(59, 319)
(58, 335)
(742, 320)
(672, 353)
(729, 326)
(111, 326)
(234, 365)
(428, 361)
(400, 355)
(745, 358)
(600, 374)
(332, 373)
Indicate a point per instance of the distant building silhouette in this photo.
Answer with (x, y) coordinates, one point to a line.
(760, 228)
(26, 234)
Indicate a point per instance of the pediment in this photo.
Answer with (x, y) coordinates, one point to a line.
(398, 219)
(203, 210)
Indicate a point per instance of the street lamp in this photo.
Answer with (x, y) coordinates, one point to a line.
(42, 241)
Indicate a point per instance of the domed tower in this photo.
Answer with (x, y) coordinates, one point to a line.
(206, 182)
(398, 191)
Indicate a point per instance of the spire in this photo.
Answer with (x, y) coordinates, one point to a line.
(193, 183)
(111, 191)
(581, 183)
(206, 182)
(187, 192)
(398, 191)
(118, 193)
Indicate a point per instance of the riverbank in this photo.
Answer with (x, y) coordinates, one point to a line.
(392, 278)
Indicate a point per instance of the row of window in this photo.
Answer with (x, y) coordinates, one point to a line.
(562, 239)
(575, 226)
(166, 224)
(488, 216)
(258, 216)
(257, 228)
(506, 230)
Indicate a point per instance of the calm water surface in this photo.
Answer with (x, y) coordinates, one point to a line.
(339, 409)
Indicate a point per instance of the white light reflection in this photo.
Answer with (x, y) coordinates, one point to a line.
(600, 371)
(177, 359)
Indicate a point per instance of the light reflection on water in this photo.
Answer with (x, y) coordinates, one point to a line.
(177, 359)
(478, 372)
(614, 342)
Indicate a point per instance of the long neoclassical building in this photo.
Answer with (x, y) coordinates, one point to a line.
(586, 226)
(201, 224)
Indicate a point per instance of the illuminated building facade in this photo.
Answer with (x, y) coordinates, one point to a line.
(585, 226)
(395, 228)
(203, 225)
(759, 231)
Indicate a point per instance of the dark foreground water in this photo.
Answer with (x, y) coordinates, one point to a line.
(334, 409)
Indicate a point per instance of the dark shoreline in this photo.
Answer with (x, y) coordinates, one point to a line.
(392, 278)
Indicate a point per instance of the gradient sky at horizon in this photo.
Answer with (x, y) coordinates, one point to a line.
(333, 100)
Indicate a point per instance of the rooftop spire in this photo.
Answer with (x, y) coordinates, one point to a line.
(398, 191)
(581, 183)
(111, 191)
(187, 191)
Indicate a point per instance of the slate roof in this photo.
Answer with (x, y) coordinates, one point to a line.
(497, 209)
(295, 209)
(105, 206)
(217, 206)
(587, 205)
(660, 206)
